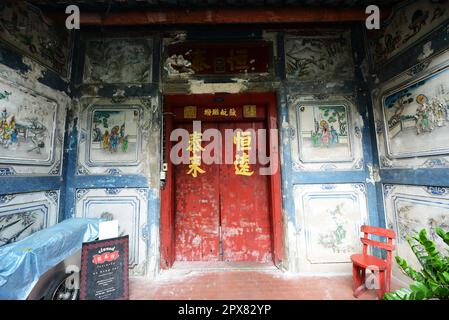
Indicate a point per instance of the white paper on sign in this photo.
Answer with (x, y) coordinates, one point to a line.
(108, 230)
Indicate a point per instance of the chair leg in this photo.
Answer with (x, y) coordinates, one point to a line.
(358, 276)
(388, 281)
(381, 291)
(355, 276)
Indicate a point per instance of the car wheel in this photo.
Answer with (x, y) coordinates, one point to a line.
(60, 291)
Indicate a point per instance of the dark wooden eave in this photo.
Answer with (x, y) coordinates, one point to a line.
(222, 16)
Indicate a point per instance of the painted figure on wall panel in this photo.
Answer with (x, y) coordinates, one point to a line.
(314, 58)
(118, 61)
(115, 135)
(408, 25)
(324, 133)
(417, 117)
(27, 125)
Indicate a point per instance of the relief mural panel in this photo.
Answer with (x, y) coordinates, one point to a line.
(412, 117)
(23, 27)
(324, 134)
(327, 134)
(130, 208)
(412, 208)
(410, 23)
(319, 58)
(27, 127)
(24, 214)
(419, 112)
(114, 137)
(31, 135)
(330, 216)
(118, 61)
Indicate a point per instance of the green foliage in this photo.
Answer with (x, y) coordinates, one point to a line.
(4, 95)
(432, 282)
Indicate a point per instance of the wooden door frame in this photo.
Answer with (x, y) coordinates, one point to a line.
(167, 217)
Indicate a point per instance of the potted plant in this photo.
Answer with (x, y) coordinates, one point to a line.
(432, 282)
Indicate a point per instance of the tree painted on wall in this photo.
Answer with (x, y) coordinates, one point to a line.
(400, 101)
(336, 114)
(102, 117)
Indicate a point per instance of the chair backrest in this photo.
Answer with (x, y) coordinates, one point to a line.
(386, 233)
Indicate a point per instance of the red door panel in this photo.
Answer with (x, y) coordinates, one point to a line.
(221, 215)
(197, 212)
(244, 208)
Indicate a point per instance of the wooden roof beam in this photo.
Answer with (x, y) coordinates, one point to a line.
(222, 16)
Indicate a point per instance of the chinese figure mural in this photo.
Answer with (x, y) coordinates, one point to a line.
(408, 25)
(115, 135)
(116, 61)
(314, 58)
(324, 133)
(419, 112)
(27, 127)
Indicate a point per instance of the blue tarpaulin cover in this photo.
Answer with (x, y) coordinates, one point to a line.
(23, 262)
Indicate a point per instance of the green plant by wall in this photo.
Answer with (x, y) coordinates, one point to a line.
(432, 282)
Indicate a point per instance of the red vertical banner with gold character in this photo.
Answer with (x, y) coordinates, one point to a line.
(243, 142)
(195, 150)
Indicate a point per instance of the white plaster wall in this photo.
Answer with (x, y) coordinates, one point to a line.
(330, 217)
(128, 206)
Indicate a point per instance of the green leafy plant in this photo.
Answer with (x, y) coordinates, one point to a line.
(432, 282)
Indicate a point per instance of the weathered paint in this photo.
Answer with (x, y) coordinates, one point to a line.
(43, 80)
(183, 221)
(245, 211)
(426, 53)
(197, 211)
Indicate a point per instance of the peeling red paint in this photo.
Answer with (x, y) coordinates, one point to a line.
(245, 212)
(250, 209)
(220, 208)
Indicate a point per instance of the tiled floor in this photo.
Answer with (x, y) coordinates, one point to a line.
(224, 282)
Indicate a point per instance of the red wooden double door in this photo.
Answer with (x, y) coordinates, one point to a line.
(221, 215)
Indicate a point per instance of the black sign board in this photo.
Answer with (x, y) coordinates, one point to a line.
(104, 270)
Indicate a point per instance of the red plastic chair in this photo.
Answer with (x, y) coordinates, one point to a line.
(362, 262)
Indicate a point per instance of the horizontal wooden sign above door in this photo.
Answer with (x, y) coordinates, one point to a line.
(220, 113)
(223, 58)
